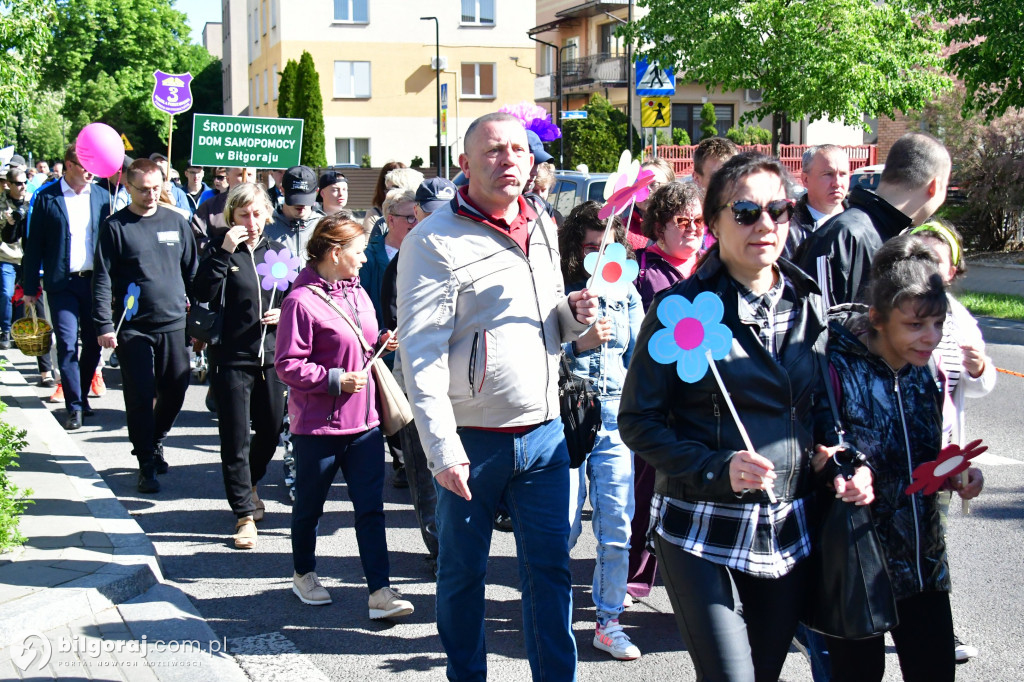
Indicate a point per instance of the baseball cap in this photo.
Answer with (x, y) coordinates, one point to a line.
(157, 156)
(540, 155)
(17, 160)
(299, 186)
(433, 193)
(331, 178)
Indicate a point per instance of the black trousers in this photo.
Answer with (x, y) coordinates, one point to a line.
(924, 644)
(737, 627)
(421, 486)
(250, 416)
(154, 376)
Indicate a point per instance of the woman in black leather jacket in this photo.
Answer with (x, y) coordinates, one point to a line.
(250, 397)
(733, 559)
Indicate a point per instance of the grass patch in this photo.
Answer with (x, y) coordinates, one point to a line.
(1005, 306)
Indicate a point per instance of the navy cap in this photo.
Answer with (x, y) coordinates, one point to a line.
(540, 155)
(332, 178)
(434, 193)
(298, 184)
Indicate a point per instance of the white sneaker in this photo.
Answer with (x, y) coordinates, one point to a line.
(627, 601)
(614, 640)
(388, 602)
(964, 652)
(307, 587)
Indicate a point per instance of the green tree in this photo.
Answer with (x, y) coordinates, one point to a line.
(986, 37)
(286, 88)
(708, 119)
(103, 57)
(839, 59)
(595, 140)
(309, 106)
(24, 39)
(42, 129)
(680, 137)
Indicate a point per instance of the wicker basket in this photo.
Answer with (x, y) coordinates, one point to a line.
(31, 335)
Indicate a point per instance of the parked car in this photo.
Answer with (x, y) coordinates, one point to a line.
(867, 177)
(572, 188)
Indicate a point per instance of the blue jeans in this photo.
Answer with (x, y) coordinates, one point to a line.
(8, 274)
(71, 314)
(360, 458)
(610, 470)
(529, 472)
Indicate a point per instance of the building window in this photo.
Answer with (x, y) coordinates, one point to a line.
(610, 44)
(352, 11)
(478, 81)
(547, 60)
(351, 149)
(263, 18)
(687, 117)
(352, 79)
(478, 12)
(571, 49)
(273, 13)
(274, 80)
(266, 90)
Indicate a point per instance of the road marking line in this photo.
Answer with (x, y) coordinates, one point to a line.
(994, 460)
(272, 657)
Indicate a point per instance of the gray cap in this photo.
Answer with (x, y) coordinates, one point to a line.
(433, 193)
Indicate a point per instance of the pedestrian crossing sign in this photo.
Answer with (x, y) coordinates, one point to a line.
(653, 81)
(655, 112)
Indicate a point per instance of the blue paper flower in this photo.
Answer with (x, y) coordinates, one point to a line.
(131, 301)
(691, 329)
(617, 272)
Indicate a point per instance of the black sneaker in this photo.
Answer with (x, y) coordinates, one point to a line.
(401, 480)
(503, 522)
(5, 340)
(147, 480)
(159, 463)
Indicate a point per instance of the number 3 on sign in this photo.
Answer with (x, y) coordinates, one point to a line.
(172, 94)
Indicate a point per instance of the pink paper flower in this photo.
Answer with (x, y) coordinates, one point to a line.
(623, 197)
(279, 269)
(534, 118)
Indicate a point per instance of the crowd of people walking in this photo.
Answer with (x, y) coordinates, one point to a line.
(835, 334)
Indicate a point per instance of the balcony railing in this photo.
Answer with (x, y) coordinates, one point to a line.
(593, 70)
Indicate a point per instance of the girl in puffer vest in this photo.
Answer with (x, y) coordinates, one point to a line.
(891, 405)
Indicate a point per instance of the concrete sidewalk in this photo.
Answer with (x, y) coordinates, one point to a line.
(85, 596)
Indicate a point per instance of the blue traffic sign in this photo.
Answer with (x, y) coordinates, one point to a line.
(654, 81)
(574, 114)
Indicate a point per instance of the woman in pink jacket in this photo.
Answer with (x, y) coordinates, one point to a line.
(333, 409)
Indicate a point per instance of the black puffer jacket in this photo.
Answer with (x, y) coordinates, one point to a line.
(245, 301)
(848, 243)
(895, 418)
(685, 430)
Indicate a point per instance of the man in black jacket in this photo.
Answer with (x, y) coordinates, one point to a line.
(62, 232)
(152, 248)
(912, 188)
(825, 173)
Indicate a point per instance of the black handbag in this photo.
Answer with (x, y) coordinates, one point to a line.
(851, 594)
(204, 324)
(580, 404)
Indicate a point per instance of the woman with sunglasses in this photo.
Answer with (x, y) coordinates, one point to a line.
(674, 224)
(729, 524)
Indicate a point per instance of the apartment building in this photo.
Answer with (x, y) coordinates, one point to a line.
(579, 35)
(376, 60)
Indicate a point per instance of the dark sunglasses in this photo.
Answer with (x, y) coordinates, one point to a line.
(220, 177)
(747, 213)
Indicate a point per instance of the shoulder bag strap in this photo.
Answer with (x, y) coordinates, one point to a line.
(345, 316)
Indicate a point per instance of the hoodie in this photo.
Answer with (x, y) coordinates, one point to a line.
(315, 347)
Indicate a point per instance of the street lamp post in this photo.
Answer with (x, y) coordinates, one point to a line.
(437, 77)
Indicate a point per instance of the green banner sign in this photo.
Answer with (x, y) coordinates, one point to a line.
(239, 141)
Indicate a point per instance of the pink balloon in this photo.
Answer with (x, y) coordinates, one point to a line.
(100, 149)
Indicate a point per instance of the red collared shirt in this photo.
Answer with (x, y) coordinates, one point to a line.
(518, 229)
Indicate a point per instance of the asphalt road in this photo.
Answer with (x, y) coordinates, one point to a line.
(246, 596)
